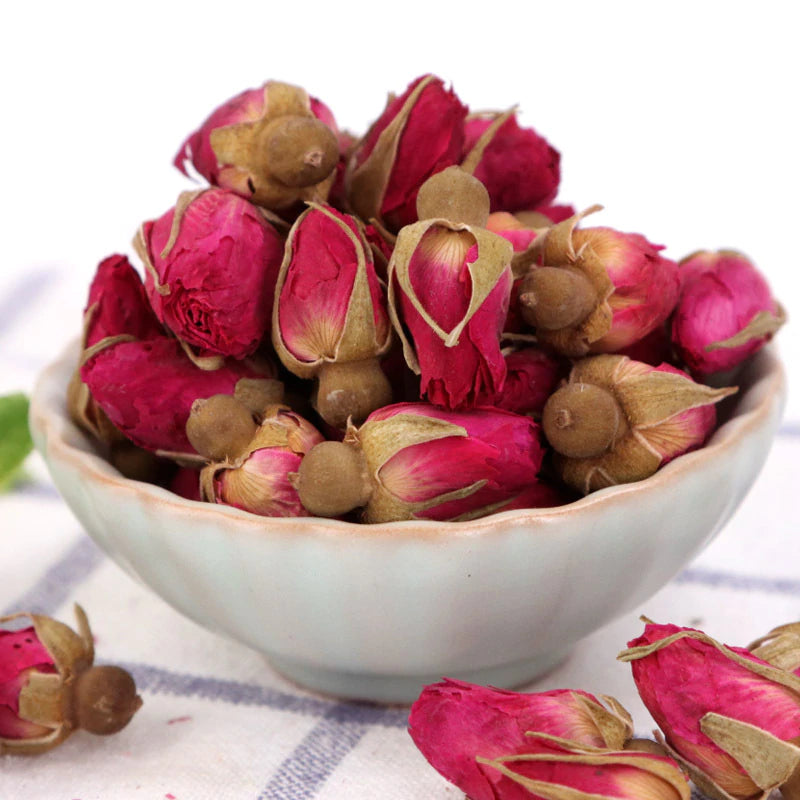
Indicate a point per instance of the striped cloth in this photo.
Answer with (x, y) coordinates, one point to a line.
(217, 722)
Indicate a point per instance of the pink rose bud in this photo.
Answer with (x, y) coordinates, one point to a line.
(618, 421)
(49, 688)
(519, 169)
(726, 715)
(275, 146)
(653, 349)
(419, 134)
(147, 389)
(258, 479)
(399, 464)
(212, 262)
(726, 311)
(186, 483)
(531, 377)
(330, 320)
(449, 287)
(596, 290)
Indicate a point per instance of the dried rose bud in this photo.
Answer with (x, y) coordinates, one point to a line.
(419, 134)
(399, 464)
(186, 483)
(50, 688)
(258, 479)
(519, 169)
(147, 389)
(212, 262)
(618, 421)
(780, 647)
(726, 311)
(531, 377)
(449, 287)
(329, 319)
(275, 146)
(596, 290)
(653, 349)
(727, 716)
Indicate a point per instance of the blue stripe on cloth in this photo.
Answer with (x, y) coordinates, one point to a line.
(789, 429)
(743, 583)
(19, 300)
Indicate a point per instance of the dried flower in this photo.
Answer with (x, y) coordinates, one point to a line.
(274, 145)
(399, 464)
(726, 311)
(726, 715)
(329, 319)
(419, 134)
(596, 290)
(519, 169)
(617, 420)
(212, 262)
(50, 688)
(449, 287)
(780, 647)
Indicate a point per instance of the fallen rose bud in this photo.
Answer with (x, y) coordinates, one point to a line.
(50, 688)
(257, 480)
(275, 146)
(725, 313)
(419, 134)
(726, 715)
(618, 421)
(212, 262)
(449, 287)
(596, 290)
(399, 464)
(329, 319)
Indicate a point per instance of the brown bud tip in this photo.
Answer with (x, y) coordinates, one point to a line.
(220, 427)
(646, 746)
(258, 393)
(454, 195)
(104, 700)
(333, 479)
(351, 390)
(135, 463)
(582, 420)
(299, 151)
(553, 298)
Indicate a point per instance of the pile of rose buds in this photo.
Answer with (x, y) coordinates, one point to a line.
(729, 720)
(333, 323)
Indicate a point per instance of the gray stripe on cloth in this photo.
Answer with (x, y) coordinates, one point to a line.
(22, 295)
(789, 429)
(54, 587)
(742, 583)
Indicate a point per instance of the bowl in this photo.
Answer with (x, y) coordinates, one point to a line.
(374, 612)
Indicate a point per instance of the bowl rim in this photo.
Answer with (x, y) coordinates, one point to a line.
(52, 422)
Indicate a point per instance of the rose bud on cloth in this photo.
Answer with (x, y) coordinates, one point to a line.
(726, 715)
(275, 146)
(50, 688)
(211, 266)
(726, 312)
(449, 288)
(618, 421)
(419, 134)
(329, 319)
(595, 290)
(147, 389)
(256, 478)
(399, 465)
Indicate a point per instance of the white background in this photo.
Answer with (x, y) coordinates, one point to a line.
(680, 118)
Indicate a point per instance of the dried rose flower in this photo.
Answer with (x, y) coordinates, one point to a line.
(275, 146)
(419, 134)
(257, 478)
(186, 483)
(618, 421)
(212, 262)
(147, 389)
(329, 318)
(653, 349)
(399, 464)
(726, 311)
(519, 169)
(596, 290)
(50, 688)
(449, 287)
(726, 715)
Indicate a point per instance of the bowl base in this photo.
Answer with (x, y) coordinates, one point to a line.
(405, 689)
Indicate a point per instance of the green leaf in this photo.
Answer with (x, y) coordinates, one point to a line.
(15, 438)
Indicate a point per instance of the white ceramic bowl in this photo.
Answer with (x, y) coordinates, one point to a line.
(376, 611)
